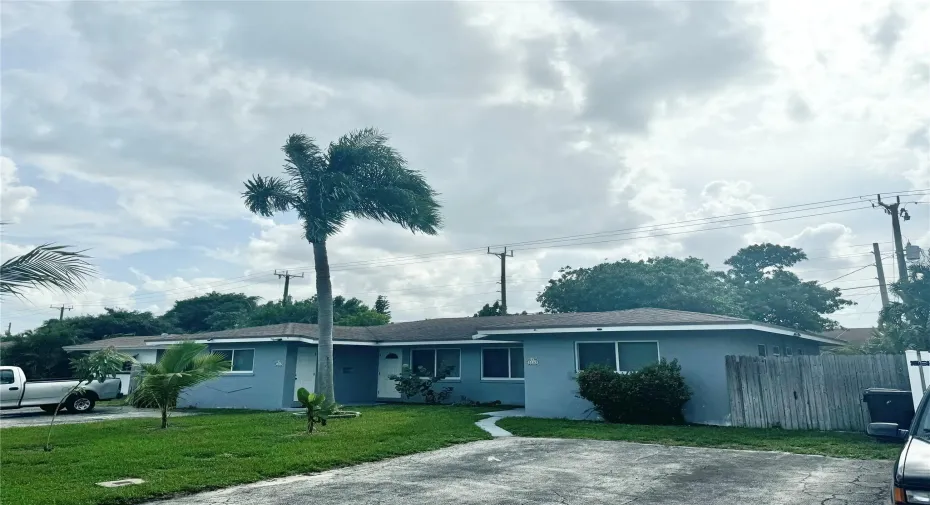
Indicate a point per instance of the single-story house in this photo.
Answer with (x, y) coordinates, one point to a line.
(856, 336)
(528, 360)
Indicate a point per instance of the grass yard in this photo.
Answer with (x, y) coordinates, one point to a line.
(841, 445)
(213, 450)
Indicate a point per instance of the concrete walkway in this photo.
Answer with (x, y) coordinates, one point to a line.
(27, 417)
(490, 424)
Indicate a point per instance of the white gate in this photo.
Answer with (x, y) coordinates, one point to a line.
(918, 371)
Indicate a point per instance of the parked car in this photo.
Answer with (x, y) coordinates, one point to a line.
(911, 478)
(16, 392)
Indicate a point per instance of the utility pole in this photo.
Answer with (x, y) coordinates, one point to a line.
(9, 326)
(287, 281)
(61, 310)
(895, 211)
(503, 256)
(881, 274)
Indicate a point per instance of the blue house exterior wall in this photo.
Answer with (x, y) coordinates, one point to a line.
(355, 374)
(551, 390)
(264, 388)
(471, 385)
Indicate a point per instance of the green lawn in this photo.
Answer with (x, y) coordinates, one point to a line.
(217, 449)
(842, 445)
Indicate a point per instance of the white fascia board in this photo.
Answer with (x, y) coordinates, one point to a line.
(445, 342)
(233, 340)
(670, 327)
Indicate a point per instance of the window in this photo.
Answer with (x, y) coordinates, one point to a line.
(800, 351)
(621, 356)
(158, 354)
(787, 351)
(776, 351)
(502, 363)
(6, 377)
(432, 360)
(240, 359)
(762, 350)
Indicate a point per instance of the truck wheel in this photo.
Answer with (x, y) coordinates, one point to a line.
(49, 408)
(79, 404)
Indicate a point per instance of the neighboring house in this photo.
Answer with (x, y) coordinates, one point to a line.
(528, 360)
(856, 336)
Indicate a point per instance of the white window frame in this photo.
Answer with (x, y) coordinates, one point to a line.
(616, 351)
(509, 366)
(762, 350)
(436, 360)
(776, 351)
(232, 358)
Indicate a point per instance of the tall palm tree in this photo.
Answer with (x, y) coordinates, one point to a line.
(182, 366)
(46, 266)
(360, 176)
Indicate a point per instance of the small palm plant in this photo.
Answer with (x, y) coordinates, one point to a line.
(318, 410)
(182, 366)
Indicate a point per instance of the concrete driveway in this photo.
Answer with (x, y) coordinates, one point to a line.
(21, 418)
(583, 472)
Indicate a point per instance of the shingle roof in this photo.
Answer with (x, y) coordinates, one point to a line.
(459, 328)
(851, 335)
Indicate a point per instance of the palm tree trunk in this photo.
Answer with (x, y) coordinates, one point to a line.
(324, 297)
(164, 416)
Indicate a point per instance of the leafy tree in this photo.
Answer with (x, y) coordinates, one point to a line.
(98, 366)
(903, 325)
(183, 365)
(359, 176)
(46, 266)
(39, 352)
(346, 312)
(666, 283)
(490, 310)
(209, 312)
(770, 294)
(383, 306)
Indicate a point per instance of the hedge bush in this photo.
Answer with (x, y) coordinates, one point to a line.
(654, 395)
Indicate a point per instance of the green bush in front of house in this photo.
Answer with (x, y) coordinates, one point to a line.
(655, 394)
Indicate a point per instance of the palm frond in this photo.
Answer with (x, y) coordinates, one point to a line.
(304, 160)
(183, 365)
(46, 266)
(267, 195)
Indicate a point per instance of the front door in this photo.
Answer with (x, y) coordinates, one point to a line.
(389, 363)
(306, 370)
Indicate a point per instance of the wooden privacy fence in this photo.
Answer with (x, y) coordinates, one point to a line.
(809, 392)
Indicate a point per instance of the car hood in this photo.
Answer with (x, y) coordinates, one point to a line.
(916, 462)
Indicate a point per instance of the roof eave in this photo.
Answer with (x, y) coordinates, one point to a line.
(482, 333)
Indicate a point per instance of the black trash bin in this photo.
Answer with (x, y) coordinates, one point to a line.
(889, 406)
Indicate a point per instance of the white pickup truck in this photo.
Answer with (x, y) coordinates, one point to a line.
(16, 392)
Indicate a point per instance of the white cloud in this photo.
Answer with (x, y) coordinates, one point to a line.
(532, 120)
(14, 197)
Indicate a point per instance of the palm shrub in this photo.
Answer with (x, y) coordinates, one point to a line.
(411, 384)
(182, 366)
(656, 394)
(358, 176)
(318, 410)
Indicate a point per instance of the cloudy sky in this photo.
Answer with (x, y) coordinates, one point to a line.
(128, 128)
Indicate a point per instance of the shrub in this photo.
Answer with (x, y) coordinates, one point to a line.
(654, 395)
(411, 385)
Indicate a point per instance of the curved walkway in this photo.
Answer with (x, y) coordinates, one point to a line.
(489, 424)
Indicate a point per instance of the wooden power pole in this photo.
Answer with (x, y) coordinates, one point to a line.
(881, 274)
(503, 256)
(287, 281)
(895, 210)
(61, 310)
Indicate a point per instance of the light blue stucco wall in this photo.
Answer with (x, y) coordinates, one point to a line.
(470, 385)
(263, 388)
(551, 390)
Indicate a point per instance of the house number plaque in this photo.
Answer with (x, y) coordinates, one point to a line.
(532, 361)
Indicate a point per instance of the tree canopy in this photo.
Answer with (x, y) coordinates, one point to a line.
(208, 312)
(756, 286)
